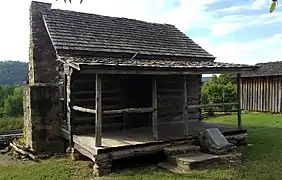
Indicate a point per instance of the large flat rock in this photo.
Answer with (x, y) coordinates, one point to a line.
(216, 137)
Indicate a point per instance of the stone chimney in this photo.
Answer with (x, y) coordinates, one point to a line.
(42, 55)
(41, 112)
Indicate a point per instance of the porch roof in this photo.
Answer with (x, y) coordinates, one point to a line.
(88, 62)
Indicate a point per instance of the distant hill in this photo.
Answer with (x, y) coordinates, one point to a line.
(13, 72)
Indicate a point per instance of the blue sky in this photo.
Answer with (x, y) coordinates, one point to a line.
(236, 31)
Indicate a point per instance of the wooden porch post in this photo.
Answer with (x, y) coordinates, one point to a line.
(70, 113)
(155, 107)
(98, 114)
(239, 100)
(185, 110)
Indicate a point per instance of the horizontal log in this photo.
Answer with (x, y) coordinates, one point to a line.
(82, 109)
(168, 71)
(169, 90)
(129, 110)
(93, 92)
(91, 120)
(209, 105)
(105, 98)
(214, 110)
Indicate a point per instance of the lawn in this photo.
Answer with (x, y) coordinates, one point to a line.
(11, 123)
(263, 159)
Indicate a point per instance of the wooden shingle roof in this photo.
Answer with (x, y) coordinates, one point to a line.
(71, 30)
(152, 63)
(265, 69)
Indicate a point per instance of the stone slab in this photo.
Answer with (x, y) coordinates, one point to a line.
(216, 137)
(173, 150)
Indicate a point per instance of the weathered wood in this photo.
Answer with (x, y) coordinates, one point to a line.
(279, 94)
(98, 114)
(129, 110)
(210, 105)
(155, 106)
(82, 109)
(93, 92)
(23, 152)
(239, 102)
(70, 113)
(185, 109)
(175, 71)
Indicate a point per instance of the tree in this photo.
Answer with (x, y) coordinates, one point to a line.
(11, 101)
(221, 89)
(273, 5)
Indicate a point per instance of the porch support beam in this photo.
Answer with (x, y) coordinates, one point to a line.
(70, 115)
(185, 109)
(129, 110)
(155, 107)
(98, 114)
(239, 111)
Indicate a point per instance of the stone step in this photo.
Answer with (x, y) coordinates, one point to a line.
(187, 162)
(182, 149)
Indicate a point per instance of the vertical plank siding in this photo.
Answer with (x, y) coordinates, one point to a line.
(262, 94)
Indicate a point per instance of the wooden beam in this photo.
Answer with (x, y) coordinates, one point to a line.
(129, 110)
(68, 79)
(239, 111)
(155, 107)
(209, 105)
(185, 109)
(82, 109)
(160, 71)
(98, 114)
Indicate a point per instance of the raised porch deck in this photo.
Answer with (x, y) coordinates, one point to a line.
(142, 138)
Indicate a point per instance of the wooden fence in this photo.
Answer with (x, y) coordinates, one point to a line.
(261, 93)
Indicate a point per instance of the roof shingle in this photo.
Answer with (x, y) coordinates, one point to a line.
(71, 30)
(123, 62)
(266, 69)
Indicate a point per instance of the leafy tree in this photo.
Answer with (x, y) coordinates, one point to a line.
(11, 100)
(221, 89)
(273, 6)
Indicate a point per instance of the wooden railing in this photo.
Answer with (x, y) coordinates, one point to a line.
(116, 111)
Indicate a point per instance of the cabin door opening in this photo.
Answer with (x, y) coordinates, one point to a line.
(138, 95)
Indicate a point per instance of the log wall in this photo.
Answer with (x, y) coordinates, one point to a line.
(170, 92)
(83, 95)
(133, 91)
(261, 94)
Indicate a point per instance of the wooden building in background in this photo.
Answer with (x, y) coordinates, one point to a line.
(261, 89)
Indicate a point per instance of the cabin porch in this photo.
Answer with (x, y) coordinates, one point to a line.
(110, 119)
(142, 137)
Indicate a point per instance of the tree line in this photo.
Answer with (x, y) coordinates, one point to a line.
(11, 101)
(13, 72)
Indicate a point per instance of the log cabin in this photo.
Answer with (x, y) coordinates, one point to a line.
(109, 84)
(262, 89)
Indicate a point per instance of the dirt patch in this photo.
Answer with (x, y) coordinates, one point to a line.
(9, 159)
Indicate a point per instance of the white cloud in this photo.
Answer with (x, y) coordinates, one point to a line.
(252, 52)
(14, 16)
(232, 23)
(260, 4)
(14, 32)
(233, 9)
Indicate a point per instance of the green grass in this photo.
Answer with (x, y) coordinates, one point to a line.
(11, 123)
(53, 169)
(263, 159)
